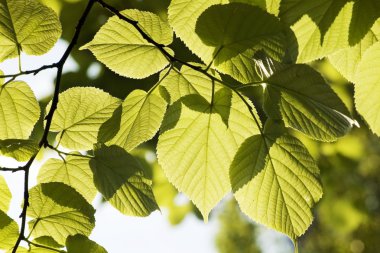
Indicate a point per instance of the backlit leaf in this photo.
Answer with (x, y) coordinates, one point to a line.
(346, 61)
(81, 244)
(19, 110)
(28, 26)
(59, 211)
(320, 27)
(8, 231)
(142, 114)
(21, 150)
(122, 49)
(306, 103)
(121, 180)
(74, 171)
(80, 113)
(235, 32)
(367, 88)
(199, 141)
(278, 189)
(5, 195)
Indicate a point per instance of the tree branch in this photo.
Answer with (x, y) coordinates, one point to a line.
(49, 116)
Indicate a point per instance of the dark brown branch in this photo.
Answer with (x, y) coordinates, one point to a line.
(28, 72)
(49, 117)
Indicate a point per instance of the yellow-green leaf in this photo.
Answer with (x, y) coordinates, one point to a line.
(19, 111)
(276, 189)
(28, 26)
(320, 27)
(81, 244)
(74, 171)
(59, 211)
(307, 103)
(8, 231)
(201, 137)
(346, 60)
(235, 32)
(142, 114)
(367, 88)
(122, 49)
(21, 150)
(5, 195)
(121, 180)
(80, 113)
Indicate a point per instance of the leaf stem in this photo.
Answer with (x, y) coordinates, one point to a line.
(43, 246)
(60, 152)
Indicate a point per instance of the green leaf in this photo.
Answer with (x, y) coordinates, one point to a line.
(119, 177)
(59, 211)
(367, 88)
(271, 6)
(28, 26)
(21, 150)
(73, 171)
(19, 111)
(142, 114)
(276, 189)
(235, 40)
(80, 113)
(182, 16)
(8, 231)
(306, 103)
(48, 241)
(185, 81)
(346, 61)
(320, 27)
(81, 244)
(120, 46)
(33, 249)
(200, 139)
(5, 195)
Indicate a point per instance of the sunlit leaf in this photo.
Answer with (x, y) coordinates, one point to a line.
(19, 110)
(33, 249)
(306, 103)
(74, 171)
(28, 26)
(122, 49)
(5, 195)
(235, 40)
(320, 27)
(276, 189)
(367, 88)
(8, 231)
(346, 61)
(48, 241)
(185, 81)
(81, 244)
(142, 114)
(119, 177)
(183, 15)
(59, 211)
(21, 150)
(199, 141)
(80, 113)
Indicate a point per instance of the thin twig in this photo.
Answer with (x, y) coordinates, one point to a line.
(60, 152)
(33, 71)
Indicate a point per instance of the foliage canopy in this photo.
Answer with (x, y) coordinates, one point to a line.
(225, 119)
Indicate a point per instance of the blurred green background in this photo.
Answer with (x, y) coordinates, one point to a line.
(347, 219)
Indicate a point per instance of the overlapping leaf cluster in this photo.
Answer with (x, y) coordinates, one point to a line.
(211, 139)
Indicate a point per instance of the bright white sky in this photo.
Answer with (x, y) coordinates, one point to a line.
(116, 232)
